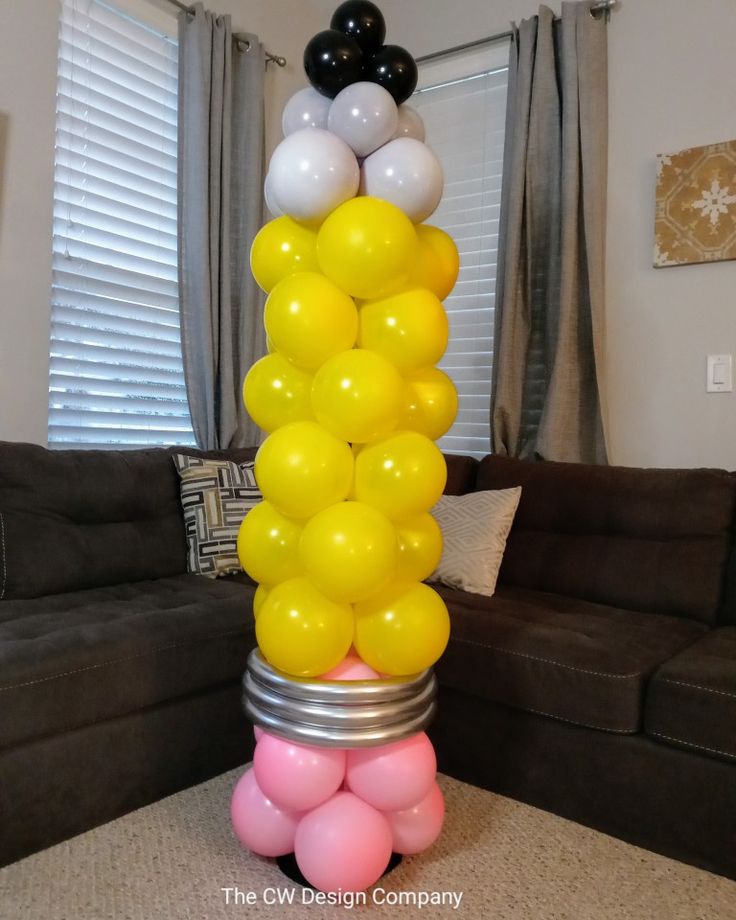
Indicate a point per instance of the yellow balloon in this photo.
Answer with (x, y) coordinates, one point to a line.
(403, 475)
(349, 551)
(259, 599)
(402, 630)
(302, 632)
(420, 547)
(276, 392)
(302, 468)
(430, 403)
(268, 544)
(410, 329)
(367, 246)
(309, 319)
(280, 248)
(357, 395)
(437, 262)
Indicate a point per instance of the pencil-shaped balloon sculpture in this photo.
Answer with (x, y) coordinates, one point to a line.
(340, 688)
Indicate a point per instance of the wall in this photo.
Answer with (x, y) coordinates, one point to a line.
(663, 322)
(28, 50)
(669, 90)
(665, 94)
(27, 86)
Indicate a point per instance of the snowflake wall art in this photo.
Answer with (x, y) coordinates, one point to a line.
(696, 206)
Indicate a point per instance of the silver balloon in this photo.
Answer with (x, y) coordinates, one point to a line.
(406, 173)
(337, 714)
(410, 124)
(312, 172)
(305, 109)
(364, 115)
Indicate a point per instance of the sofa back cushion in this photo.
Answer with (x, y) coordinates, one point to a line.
(728, 609)
(641, 539)
(461, 473)
(75, 519)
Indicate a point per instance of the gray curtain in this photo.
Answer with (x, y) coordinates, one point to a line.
(220, 163)
(549, 361)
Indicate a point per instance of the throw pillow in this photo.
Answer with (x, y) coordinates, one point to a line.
(215, 497)
(474, 530)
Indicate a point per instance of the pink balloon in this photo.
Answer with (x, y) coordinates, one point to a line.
(297, 776)
(416, 828)
(394, 776)
(258, 732)
(343, 845)
(352, 667)
(259, 824)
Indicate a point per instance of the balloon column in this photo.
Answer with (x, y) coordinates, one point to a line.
(352, 402)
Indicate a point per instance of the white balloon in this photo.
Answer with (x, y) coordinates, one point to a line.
(312, 172)
(271, 205)
(406, 173)
(305, 109)
(364, 115)
(410, 123)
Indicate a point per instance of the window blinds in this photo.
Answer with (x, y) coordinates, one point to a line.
(462, 99)
(116, 377)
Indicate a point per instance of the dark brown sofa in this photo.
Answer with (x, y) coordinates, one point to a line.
(599, 682)
(119, 673)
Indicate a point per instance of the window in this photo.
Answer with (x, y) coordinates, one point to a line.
(462, 99)
(116, 375)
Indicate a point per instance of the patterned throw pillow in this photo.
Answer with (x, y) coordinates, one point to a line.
(474, 529)
(215, 497)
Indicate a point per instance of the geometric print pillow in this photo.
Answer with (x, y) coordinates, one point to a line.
(215, 497)
(474, 531)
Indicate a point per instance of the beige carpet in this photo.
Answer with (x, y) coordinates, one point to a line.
(171, 860)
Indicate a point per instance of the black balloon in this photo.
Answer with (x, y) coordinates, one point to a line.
(395, 69)
(332, 61)
(362, 21)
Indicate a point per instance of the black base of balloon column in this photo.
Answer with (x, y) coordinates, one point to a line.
(289, 867)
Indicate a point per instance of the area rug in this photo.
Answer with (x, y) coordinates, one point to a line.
(497, 859)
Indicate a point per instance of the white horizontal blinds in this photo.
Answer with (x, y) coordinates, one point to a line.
(462, 99)
(116, 368)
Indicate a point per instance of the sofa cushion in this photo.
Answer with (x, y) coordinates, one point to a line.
(558, 656)
(72, 659)
(74, 519)
(645, 540)
(691, 700)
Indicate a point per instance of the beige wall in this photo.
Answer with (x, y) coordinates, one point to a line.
(28, 37)
(664, 95)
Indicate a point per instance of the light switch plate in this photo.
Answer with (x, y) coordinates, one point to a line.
(719, 377)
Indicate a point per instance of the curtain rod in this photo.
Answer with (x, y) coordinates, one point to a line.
(597, 6)
(275, 58)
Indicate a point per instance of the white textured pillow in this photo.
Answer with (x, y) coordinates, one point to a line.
(474, 529)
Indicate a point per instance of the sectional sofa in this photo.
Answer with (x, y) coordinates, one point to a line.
(599, 682)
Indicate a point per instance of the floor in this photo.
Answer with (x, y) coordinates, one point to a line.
(496, 859)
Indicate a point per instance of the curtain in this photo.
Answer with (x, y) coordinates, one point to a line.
(548, 398)
(220, 182)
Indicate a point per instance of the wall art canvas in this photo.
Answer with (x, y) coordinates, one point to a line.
(696, 206)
